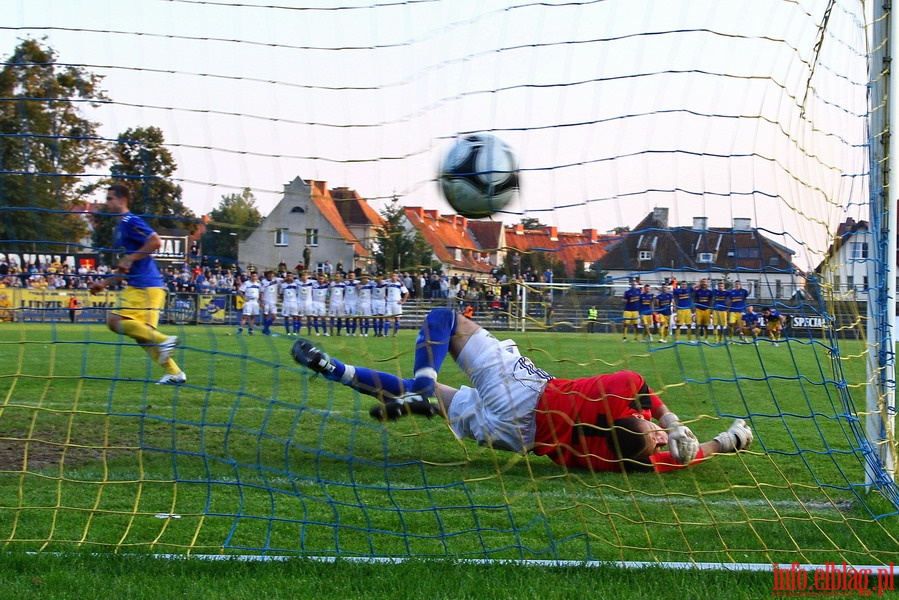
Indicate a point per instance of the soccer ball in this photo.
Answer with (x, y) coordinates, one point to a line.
(479, 175)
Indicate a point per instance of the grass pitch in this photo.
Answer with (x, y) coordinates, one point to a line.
(254, 456)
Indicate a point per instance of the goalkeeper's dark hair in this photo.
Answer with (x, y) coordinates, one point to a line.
(628, 441)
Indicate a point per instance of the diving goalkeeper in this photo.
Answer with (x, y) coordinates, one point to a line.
(609, 422)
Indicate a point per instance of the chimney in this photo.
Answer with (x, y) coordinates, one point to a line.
(742, 223)
(519, 229)
(431, 213)
(418, 211)
(700, 223)
(463, 222)
(660, 216)
(553, 233)
(590, 234)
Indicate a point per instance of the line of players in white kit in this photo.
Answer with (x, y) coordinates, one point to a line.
(329, 306)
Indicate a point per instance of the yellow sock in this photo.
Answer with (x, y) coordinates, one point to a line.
(141, 332)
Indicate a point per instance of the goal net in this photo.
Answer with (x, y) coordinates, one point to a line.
(682, 141)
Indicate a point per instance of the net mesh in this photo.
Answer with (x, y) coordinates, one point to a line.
(757, 112)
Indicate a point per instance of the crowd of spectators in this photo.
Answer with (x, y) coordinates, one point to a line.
(487, 294)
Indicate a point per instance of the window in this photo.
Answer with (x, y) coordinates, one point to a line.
(312, 237)
(858, 251)
(705, 257)
(645, 255)
(282, 237)
(751, 252)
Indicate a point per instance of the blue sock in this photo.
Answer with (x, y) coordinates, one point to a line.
(431, 348)
(373, 383)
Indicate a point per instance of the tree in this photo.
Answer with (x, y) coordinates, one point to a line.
(235, 218)
(46, 145)
(534, 262)
(395, 247)
(141, 161)
(532, 224)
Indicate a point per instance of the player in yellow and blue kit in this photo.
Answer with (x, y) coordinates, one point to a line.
(143, 298)
(683, 304)
(631, 300)
(720, 299)
(647, 311)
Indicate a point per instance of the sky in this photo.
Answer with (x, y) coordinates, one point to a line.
(724, 109)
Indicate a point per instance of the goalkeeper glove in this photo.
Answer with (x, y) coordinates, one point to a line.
(737, 438)
(681, 441)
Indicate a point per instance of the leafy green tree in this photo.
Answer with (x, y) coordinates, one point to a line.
(531, 224)
(143, 163)
(396, 248)
(46, 145)
(235, 218)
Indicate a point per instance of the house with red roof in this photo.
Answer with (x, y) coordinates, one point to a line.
(569, 248)
(336, 226)
(452, 241)
(464, 247)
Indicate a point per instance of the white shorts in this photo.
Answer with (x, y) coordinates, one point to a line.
(365, 309)
(251, 308)
(499, 410)
(378, 308)
(305, 308)
(336, 310)
(394, 308)
(270, 309)
(290, 309)
(318, 309)
(351, 309)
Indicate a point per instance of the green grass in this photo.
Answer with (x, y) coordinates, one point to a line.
(69, 577)
(254, 456)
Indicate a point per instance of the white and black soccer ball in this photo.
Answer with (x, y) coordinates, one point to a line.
(479, 175)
